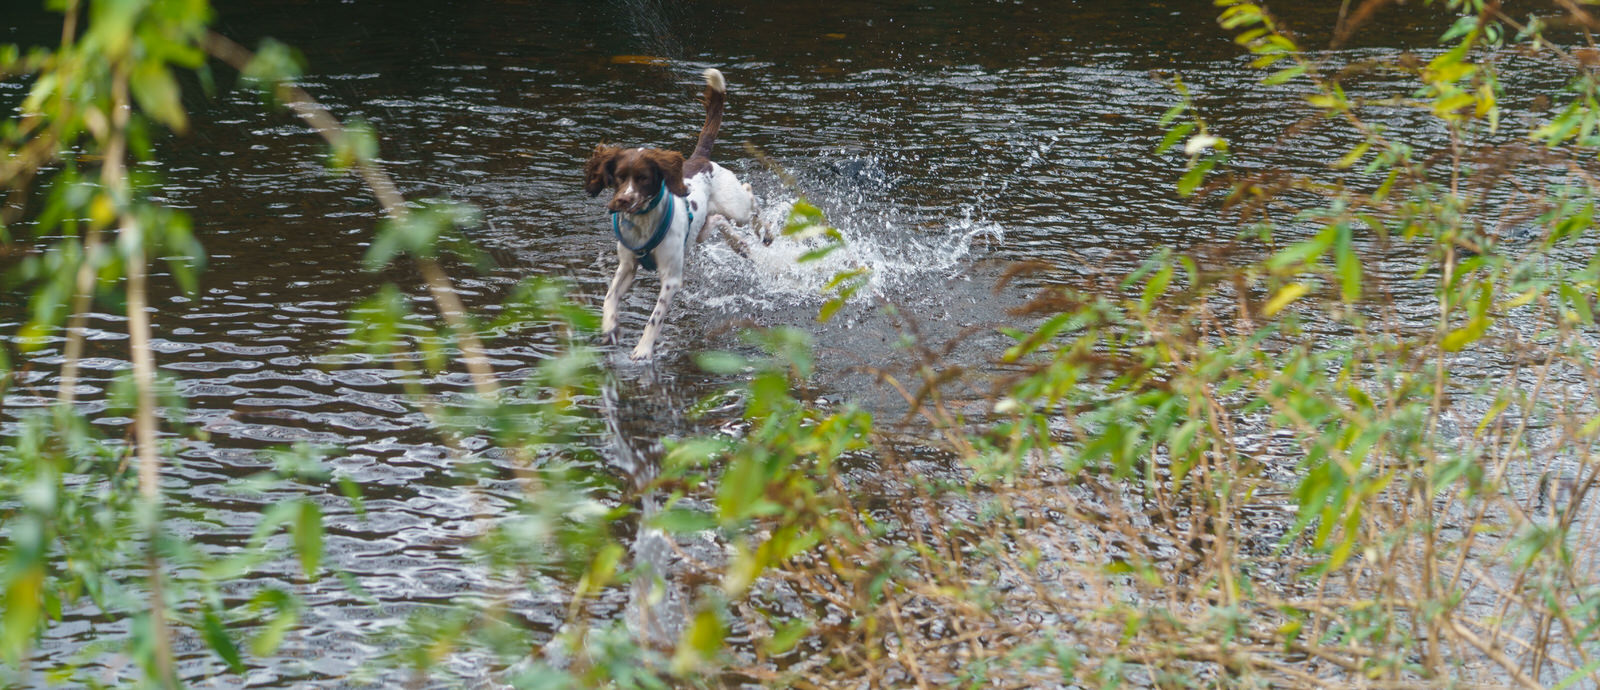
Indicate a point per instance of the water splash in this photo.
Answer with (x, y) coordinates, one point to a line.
(903, 251)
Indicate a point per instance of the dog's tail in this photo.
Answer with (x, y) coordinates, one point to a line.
(716, 98)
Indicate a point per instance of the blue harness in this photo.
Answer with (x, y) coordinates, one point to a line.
(643, 251)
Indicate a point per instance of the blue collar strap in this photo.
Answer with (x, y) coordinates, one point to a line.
(643, 251)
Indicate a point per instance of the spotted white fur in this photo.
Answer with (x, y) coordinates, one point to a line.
(715, 199)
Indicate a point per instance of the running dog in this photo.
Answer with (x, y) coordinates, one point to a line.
(659, 203)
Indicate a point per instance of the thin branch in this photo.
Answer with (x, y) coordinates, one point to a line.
(394, 206)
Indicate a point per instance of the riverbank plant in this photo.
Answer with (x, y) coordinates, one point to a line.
(1253, 464)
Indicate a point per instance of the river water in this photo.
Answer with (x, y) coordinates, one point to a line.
(944, 138)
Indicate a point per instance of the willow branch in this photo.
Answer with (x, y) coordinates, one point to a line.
(1506, 663)
(115, 175)
(83, 286)
(388, 196)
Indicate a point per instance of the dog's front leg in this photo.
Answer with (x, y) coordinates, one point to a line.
(669, 287)
(627, 266)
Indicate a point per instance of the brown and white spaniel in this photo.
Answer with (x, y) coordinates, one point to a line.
(659, 204)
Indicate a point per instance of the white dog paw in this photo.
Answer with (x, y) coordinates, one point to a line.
(607, 338)
(642, 352)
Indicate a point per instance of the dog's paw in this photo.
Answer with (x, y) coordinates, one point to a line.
(763, 231)
(642, 352)
(606, 338)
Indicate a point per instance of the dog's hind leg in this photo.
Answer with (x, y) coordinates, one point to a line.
(760, 226)
(725, 228)
(705, 230)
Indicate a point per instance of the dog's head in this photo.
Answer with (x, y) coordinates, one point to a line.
(634, 175)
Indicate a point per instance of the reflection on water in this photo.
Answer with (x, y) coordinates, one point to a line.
(942, 138)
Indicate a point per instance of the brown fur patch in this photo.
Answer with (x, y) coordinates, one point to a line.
(668, 166)
(601, 170)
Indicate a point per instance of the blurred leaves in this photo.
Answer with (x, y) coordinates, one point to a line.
(1108, 486)
(273, 65)
(421, 232)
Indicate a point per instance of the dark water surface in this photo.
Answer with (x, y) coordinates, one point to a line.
(944, 138)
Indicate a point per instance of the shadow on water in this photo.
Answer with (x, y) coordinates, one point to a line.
(945, 139)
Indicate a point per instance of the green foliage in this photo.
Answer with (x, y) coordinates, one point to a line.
(806, 224)
(1096, 522)
(273, 66)
(420, 232)
(1152, 388)
(89, 527)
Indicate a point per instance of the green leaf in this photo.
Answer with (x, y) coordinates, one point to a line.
(356, 144)
(1586, 672)
(1462, 26)
(1466, 335)
(286, 613)
(1559, 127)
(1245, 14)
(722, 363)
(1178, 443)
(829, 308)
(1041, 335)
(21, 617)
(1348, 266)
(1346, 546)
(1285, 296)
(602, 569)
(1353, 156)
(352, 493)
(1197, 174)
(1328, 101)
(700, 642)
(844, 285)
(217, 639)
(1579, 303)
(1499, 406)
(418, 232)
(682, 521)
(308, 538)
(157, 93)
(1175, 135)
(1245, 38)
(785, 635)
(696, 453)
(1284, 75)
(1269, 57)
(802, 216)
(272, 64)
(1157, 286)
(1448, 106)
(1303, 252)
(1172, 114)
(818, 253)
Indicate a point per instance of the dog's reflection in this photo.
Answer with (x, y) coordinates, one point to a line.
(638, 412)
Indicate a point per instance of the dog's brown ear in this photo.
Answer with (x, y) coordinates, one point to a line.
(601, 170)
(670, 163)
